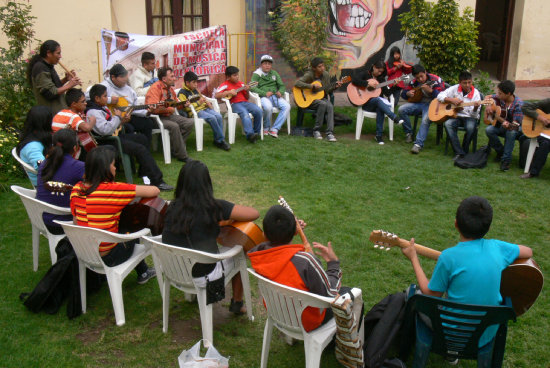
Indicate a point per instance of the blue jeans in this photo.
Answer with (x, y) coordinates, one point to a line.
(417, 108)
(215, 120)
(377, 105)
(451, 126)
(267, 106)
(510, 136)
(245, 107)
(424, 337)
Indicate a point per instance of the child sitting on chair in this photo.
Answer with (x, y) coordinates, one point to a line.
(469, 272)
(290, 265)
(239, 102)
(202, 107)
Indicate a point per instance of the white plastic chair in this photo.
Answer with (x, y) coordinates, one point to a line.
(257, 100)
(284, 311)
(199, 123)
(35, 208)
(85, 242)
(532, 147)
(362, 114)
(28, 168)
(174, 264)
(232, 121)
(164, 134)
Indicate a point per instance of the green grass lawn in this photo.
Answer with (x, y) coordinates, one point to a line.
(343, 191)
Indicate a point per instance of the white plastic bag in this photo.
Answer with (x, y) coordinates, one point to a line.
(212, 359)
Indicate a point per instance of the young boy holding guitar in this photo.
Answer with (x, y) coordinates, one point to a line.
(419, 93)
(469, 272)
(291, 265)
(468, 117)
(538, 111)
(325, 109)
(237, 93)
(507, 124)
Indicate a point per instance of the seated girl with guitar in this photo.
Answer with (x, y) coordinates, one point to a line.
(59, 171)
(192, 221)
(396, 68)
(325, 109)
(370, 79)
(98, 201)
(469, 272)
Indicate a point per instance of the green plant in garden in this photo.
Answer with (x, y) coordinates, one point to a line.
(9, 168)
(301, 31)
(484, 84)
(445, 41)
(16, 96)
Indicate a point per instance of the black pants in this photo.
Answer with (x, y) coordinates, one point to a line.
(120, 254)
(136, 145)
(143, 125)
(539, 159)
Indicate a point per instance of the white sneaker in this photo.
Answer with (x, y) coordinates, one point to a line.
(400, 122)
(331, 137)
(317, 135)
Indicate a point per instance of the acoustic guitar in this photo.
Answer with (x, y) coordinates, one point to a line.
(251, 84)
(532, 128)
(439, 112)
(125, 108)
(359, 96)
(244, 233)
(87, 141)
(493, 112)
(305, 97)
(418, 93)
(521, 281)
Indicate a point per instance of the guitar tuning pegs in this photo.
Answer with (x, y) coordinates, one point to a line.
(376, 245)
(387, 249)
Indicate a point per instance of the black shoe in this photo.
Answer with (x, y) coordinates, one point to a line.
(252, 138)
(164, 187)
(183, 159)
(148, 275)
(379, 139)
(236, 307)
(504, 166)
(223, 145)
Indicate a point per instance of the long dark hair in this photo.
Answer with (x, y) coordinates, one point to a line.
(393, 50)
(98, 167)
(50, 46)
(380, 65)
(64, 141)
(194, 199)
(38, 127)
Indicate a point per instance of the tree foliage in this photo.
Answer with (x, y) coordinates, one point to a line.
(301, 31)
(445, 41)
(16, 96)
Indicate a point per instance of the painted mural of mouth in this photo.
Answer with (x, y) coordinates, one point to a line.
(349, 16)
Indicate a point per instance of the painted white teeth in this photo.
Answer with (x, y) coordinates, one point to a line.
(354, 11)
(333, 7)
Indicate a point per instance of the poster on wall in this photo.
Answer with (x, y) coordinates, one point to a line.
(203, 52)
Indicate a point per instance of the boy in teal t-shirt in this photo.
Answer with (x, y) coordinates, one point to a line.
(469, 272)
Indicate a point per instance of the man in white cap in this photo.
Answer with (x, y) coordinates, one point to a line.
(271, 89)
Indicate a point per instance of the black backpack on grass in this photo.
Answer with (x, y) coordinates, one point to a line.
(476, 160)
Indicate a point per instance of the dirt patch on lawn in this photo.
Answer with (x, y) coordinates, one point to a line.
(95, 334)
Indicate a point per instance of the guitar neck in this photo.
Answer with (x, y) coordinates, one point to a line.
(420, 249)
(307, 246)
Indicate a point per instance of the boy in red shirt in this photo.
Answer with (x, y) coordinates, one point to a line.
(239, 102)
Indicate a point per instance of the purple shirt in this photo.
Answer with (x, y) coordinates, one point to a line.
(70, 172)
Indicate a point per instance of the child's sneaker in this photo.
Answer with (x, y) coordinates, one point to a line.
(146, 276)
(379, 139)
(317, 134)
(273, 133)
(331, 137)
